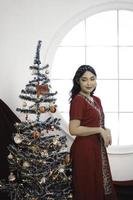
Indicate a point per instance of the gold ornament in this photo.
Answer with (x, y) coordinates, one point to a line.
(36, 134)
(67, 159)
(42, 109)
(53, 109)
(34, 148)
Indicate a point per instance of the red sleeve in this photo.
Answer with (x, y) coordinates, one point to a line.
(77, 108)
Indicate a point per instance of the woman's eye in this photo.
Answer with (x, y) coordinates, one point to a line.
(93, 79)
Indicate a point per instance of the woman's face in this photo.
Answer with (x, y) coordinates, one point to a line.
(87, 82)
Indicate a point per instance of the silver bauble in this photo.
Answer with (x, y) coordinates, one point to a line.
(61, 170)
(11, 177)
(24, 104)
(43, 180)
(10, 156)
(26, 164)
(18, 138)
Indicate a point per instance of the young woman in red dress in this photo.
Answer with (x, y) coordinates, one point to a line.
(91, 174)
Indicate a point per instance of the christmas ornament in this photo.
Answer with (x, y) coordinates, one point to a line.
(47, 71)
(42, 109)
(36, 134)
(43, 180)
(44, 153)
(67, 159)
(33, 198)
(52, 128)
(18, 138)
(53, 109)
(24, 104)
(10, 156)
(16, 124)
(26, 164)
(55, 141)
(70, 196)
(42, 89)
(11, 177)
(61, 170)
(34, 72)
(34, 148)
(49, 128)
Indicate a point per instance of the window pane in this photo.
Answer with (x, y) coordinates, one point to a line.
(126, 124)
(125, 27)
(76, 36)
(66, 62)
(104, 60)
(107, 90)
(111, 122)
(126, 95)
(126, 62)
(63, 88)
(101, 29)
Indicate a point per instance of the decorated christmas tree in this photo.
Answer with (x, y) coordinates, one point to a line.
(39, 160)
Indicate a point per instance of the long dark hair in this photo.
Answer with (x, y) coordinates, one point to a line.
(80, 71)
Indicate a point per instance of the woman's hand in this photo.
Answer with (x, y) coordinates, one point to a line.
(106, 135)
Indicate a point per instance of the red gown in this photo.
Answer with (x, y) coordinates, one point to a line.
(91, 174)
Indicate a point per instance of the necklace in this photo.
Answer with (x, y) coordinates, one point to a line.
(90, 99)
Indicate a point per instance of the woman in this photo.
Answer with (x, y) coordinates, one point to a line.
(91, 173)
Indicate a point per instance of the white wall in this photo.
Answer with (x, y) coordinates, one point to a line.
(23, 23)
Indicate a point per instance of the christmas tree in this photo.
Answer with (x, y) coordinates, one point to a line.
(39, 161)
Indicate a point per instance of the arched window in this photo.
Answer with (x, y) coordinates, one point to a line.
(105, 41)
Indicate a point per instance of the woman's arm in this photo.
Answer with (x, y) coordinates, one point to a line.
(77, 130)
